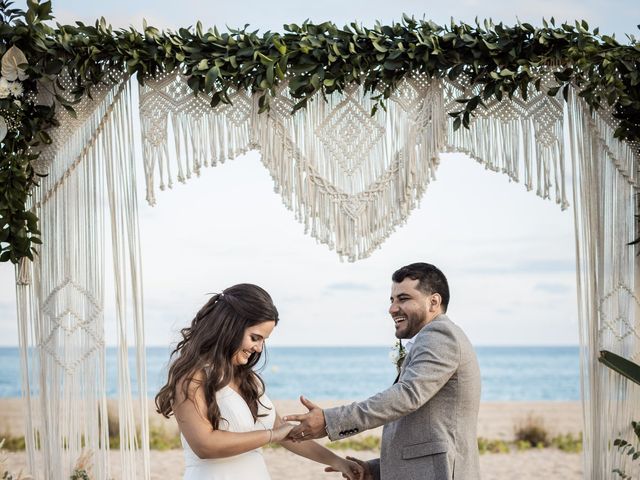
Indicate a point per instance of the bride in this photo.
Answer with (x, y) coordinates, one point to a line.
(218, 399)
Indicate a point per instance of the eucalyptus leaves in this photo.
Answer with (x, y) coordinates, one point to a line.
(499, 60)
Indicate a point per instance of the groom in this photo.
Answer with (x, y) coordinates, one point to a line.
(430, 414)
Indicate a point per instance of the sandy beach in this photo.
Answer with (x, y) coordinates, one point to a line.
(497, 421)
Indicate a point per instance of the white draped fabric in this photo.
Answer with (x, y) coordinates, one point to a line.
(351, 178)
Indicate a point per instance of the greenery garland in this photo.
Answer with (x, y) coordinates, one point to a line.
(500, 59)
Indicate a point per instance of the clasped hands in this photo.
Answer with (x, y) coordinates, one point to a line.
(312, 426)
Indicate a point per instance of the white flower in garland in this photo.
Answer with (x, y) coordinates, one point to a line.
(13, 62)
(5, 89)
(16, 89)
(3, 128)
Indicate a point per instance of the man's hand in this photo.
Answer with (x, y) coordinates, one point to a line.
(312, 424)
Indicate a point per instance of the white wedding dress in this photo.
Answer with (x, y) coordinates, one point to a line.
(237, 418)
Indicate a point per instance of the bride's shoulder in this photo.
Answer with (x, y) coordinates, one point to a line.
(190, 383)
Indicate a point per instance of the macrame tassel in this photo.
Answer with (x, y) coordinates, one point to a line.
(604, 199)
(27, 312)
(173, 119)
(513, 136)
(61, 313)
(117, 145)
(350, 178)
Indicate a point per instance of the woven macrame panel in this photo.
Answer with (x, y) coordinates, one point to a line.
(522, 138)
(350, 177)
(605, 192)
(61, 294)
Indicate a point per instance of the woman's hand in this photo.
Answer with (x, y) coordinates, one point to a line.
(280, 432)
(350, 468)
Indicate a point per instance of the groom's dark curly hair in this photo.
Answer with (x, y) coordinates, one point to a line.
(430, 280)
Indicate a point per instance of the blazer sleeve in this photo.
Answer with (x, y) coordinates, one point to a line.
(433, 359)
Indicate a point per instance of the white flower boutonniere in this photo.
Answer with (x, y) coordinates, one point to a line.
(398, 352)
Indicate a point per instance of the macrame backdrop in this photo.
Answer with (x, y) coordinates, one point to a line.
(605, 191)
(61, 304)
(351, 179)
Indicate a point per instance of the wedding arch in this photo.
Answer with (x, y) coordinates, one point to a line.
(349, 122)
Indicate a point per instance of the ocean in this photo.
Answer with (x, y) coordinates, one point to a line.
(508, 373)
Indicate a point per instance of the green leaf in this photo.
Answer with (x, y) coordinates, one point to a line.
(194, 83)
(280, 46)
(380, 48)
(621, 365)
(70, 110)
(210, 78)
(553, 91)
(490, 46)
(264, 59)
(270, 73)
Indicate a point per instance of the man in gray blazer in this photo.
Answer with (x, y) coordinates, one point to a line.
(430, 413)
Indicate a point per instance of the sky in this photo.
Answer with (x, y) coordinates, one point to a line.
(509, 255)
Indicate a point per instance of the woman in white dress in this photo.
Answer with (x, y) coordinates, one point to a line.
(219, 400)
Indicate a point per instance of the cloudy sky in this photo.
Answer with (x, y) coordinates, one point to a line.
(509, 255)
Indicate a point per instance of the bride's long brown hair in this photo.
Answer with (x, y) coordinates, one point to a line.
(215, 334)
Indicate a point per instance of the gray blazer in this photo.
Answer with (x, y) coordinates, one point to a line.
(430, 415)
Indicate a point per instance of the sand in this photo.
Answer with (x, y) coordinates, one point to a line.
(497, 420)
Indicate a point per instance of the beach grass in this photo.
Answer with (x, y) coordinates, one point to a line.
(161, 438)
(568, 442)
(531, 430)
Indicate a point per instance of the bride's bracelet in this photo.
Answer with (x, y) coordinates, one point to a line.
(270, 436)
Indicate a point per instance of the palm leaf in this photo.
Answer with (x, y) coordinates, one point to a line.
(624, 367)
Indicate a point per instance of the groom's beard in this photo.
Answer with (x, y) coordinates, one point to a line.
(411, 325)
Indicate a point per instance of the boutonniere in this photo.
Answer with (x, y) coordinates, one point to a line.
(398, 352)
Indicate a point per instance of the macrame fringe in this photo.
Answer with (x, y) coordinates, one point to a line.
(201, 136)
(522, 139)
(352, 197)
(60, 314)
(350, 178)
(607, 278)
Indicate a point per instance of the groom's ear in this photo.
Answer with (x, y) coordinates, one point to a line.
(435, 301)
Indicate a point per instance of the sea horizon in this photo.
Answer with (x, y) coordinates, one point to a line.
(509, 373)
